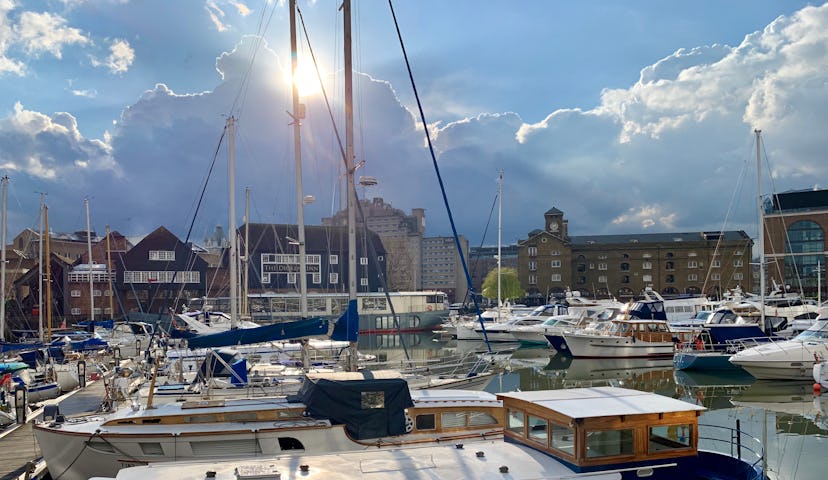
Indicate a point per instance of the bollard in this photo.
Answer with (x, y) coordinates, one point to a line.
(20, 404)
(81, 373)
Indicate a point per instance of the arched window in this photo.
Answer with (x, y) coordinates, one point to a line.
(669, 266)
(625, 279)
(669, 255)
(625, 256)
(625, 267)
(669, 279)
(804, 237)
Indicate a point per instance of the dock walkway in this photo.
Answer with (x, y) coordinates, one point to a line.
(19, 450)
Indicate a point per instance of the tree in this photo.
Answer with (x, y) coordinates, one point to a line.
(510, 288)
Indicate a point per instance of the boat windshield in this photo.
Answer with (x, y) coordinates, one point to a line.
(818, 331)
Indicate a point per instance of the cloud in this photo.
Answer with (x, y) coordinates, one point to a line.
(51, 148)
(91, 93)
(7, 65)
(216, 15)
(45, 32)
(672, 151)
(121, 56)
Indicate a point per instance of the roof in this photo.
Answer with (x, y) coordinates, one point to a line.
(602, 402)
(731, 235)
(800, 200)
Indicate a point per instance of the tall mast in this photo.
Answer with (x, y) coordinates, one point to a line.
(761, 226)
(349, 166)
(48, 255)
(298, 115)
(245, 264)
(40, 272)
(231, 188)
(5, 184)
(499, 235)
(109, 274)
(89, 253)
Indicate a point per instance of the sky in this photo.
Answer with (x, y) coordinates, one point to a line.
(630, 116)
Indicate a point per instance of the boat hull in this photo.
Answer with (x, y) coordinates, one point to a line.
(607, 346)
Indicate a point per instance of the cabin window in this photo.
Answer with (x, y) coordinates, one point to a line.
(609, 443)
(240, 417)
(426, 422)
(290, 443)
(516, 422)
(481, 418)
(150, 421)
(453, 419)
(563, 439)
(537, 429)
(670, 437)
(153, 448)
(224, 448)
(373, 400)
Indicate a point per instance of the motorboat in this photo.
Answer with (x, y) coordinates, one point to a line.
(597, 433)
(502, 332)
(334, 412)
(626, 338)
(791, 359)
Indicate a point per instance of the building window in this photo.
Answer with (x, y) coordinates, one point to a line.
(669, 266)
(647, 278)
(625, 267)
(625, 256)
(646, 255)
(582, 280)
(625, 279)
(291, 278)
(581, 267)
(333, 278)
(556, 277)
(806, 241)
(75, 293)
(647, 265)
(555, 253)
(532, 251)
(692, 254)
(316, 278)
(533, 280)
(602, 257)
(602, 266)
(76, 311)
(692, 264)
(738, 253)
(162, 255)
(669, 279)
(96, 293)
(555, 264)
(669, 255)
(716, 263)
(333, 260)
(380, 258)
(533, 265)
(737, 263)
(715, 277)
(602, 279)
(363, 282)
(738, 276)
(692, 277)
(363, 260)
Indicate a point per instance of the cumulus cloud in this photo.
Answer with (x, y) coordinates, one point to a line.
(669, 152)
(45, 32)
(51, 148)
(120, 57)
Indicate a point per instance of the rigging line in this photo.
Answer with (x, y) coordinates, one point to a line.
(241, 95)
(439, 177)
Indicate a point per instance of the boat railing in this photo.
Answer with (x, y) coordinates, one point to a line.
(732, 441)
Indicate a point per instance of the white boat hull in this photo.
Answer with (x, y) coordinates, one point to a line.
(785, 360)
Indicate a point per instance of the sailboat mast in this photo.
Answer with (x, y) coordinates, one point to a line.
(499, 237)
(231, 178)
(109, 274)
(245, 268)
(298, 115)
(40, 272)
(349, 165)
(48, 255)
(761, 226)
(5, 184)
(89, 253)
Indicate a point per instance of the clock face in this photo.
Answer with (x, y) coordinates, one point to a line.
(553, 226)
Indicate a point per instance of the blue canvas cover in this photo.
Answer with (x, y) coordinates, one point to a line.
(368, 407)
(310, 327)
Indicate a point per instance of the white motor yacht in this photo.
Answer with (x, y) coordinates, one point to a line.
(791, 359)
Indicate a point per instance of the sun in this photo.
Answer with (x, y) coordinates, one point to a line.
(307, 79)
